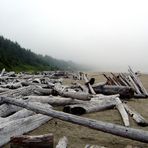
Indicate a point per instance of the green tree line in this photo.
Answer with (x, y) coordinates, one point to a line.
(14, 57)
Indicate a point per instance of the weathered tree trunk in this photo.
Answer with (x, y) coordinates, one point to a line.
(62, 143)
(20, 91)
(89, 107)
(44, 91)
(21, 126)
(124, 91)
(39, 141)
(71, 94)
(7, 109)
(18, 115)
(136, 116)
(52, 100)
(77, 95)
(122, 111)
(131, 133)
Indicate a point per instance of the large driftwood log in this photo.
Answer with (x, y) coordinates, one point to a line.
(18, 115)
(20, 91)
(62, 143)
(52, 100)
(7, 109)
(71, 94)
(124, 91)
(131, 133)
(44, 91)
(27, 141)
(89, 107)
(136, 116)
(25, 125)
(122, 111)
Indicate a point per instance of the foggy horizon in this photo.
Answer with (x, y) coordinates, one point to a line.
(105, 35)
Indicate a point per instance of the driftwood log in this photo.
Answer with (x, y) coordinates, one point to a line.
(39, 141)
(124, 91)
(122, 111)
(62, 91)
(62, 143)
(21, 126)
(89, 107)
(52, 100)
(136, 116)
(89, 85)
(131, 133)
(94, 146)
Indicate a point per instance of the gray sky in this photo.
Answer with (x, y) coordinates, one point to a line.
(108, 34)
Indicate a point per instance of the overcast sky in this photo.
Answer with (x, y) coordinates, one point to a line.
(108, 34)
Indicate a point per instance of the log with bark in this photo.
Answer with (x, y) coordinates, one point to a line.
(124, 91)
(131, 133)
(27, 141)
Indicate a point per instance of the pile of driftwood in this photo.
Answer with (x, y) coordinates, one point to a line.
(130, 79)
(28, 101)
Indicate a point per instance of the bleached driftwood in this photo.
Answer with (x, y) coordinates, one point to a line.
(88, 85)
(131, 133)
(122, 111)
(2, 72)
(134, 85)
(39, 141)
(3, 90)
(94, 146)
(137, 81)
(20, 91)
(7, 109)
(71, 94)
(136, 116)
(44, 91)
(12, 85)
(89, 107)
(21, 126)
(52, 100)
(18, 115)
(62, 143)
